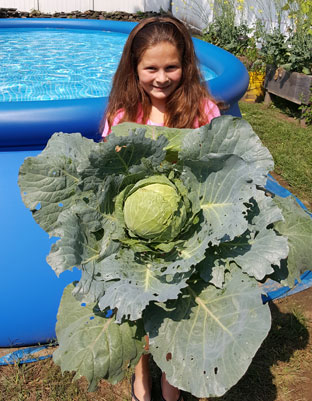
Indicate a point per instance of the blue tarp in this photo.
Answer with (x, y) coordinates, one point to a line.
(273, 289)
(24, 355)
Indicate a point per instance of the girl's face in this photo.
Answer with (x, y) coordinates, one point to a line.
(160, 72)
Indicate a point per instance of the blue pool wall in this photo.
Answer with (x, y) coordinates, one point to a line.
(30, 291)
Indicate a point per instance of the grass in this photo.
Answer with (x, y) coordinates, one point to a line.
(289, 144)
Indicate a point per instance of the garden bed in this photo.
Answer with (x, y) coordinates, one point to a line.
(292, 86)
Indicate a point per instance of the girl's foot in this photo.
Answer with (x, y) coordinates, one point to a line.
(168, 392)
(138, 390)
(141, 381)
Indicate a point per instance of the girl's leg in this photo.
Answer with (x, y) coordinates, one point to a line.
(169, 392)
(143, 382)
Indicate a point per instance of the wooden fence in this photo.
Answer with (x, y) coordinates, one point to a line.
(196, 12)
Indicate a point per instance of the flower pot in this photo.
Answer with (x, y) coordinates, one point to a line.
(255, 89)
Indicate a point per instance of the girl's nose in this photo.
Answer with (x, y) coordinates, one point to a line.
(162, 76)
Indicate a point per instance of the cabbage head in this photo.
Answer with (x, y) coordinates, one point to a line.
(154, 210)
(172, 231)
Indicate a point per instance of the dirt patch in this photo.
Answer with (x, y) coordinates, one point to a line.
(296, 375)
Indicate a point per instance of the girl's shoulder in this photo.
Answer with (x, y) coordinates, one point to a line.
(118, 117)
(210, 109)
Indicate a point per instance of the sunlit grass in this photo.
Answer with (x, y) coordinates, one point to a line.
(289, 144)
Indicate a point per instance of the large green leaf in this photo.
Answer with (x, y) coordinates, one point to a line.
(124, 155)
(223, 195)
(49, 181)
(138, 284)
(263, 211)
(297, 227)
(228, 135)
(92, 345)
(205, 340)
(86, 236)
(254, 252)
(174, 135)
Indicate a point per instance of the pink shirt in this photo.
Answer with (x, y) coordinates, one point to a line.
(211, 111)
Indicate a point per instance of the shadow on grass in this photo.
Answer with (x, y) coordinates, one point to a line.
(287, 335)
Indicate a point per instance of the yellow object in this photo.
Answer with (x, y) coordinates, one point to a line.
(255, 88)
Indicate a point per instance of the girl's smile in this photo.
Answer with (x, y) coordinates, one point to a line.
(160, 72)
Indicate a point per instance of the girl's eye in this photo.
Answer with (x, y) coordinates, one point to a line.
(172, 67)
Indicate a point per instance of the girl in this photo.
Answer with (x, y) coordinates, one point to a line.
(158, 83)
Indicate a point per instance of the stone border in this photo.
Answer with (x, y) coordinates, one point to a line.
(90, 14)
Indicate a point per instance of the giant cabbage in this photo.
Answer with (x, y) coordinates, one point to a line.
(172, 231)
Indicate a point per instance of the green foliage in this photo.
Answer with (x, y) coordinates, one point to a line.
(257, 46)
(306, 112)
(274, 49)
(299, 53)
(293, 53)
(241, 40)
(224, 33)
(192, 279)
(301, 12)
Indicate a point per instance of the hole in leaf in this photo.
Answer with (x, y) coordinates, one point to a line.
(168, 356)
(60, 204)
(155, 295)
(204, 372)
(83, 304)
(215, 370)
(91, 317)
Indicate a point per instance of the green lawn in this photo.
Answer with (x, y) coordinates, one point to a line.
(289, 143)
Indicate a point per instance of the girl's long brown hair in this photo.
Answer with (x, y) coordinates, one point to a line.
(185, 104)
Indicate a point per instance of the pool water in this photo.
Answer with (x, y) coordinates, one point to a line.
(57, 64)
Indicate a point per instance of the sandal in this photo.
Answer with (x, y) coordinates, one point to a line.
(132, 389)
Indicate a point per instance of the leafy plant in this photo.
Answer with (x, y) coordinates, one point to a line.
(293, 53)
(306, 111)
(274, 49)
(300, 53)
(241, 39)
(172, 230)
(224, 33)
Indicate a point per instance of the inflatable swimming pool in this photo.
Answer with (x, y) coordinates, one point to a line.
(29, 290)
